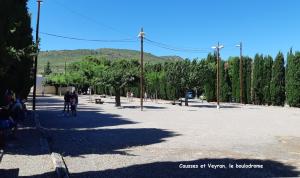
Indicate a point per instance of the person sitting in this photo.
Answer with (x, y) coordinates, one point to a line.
(17, 111)
(6, 123)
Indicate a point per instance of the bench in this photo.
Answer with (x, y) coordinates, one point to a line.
(99, 101)
(102, 96)
(179, 102)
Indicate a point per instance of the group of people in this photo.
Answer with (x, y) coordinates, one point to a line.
(130, 95)
(11, 114)
(70, 102)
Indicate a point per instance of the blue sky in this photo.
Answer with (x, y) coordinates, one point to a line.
(264, 26)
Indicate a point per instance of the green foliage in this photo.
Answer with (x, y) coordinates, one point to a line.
(16, 47)
(278, 81)
(293, 79)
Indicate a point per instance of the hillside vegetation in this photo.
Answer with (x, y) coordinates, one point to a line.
(58, 58)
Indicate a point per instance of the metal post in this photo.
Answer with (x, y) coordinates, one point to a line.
(36, 56)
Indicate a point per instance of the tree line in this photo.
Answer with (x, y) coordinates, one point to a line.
(266, 81)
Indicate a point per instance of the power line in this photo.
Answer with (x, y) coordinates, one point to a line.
(90, 19)
(169, 47)
(91, 40)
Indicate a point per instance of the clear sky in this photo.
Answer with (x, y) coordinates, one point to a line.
(264, 26)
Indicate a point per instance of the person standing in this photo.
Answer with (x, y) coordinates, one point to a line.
(145, 96)
(74, 103)
(67, 98)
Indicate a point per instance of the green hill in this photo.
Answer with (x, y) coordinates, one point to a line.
(58, 58)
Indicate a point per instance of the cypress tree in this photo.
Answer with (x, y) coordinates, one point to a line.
(47, 69)
(225, 95)
(234, 68)
(278, 81)
(293, 79)
(247, 71)
(16, 47)
(211, 82)
(266, 78)
(258, 80)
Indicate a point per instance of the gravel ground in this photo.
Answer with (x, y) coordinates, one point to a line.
(23, 156)
(105, 141)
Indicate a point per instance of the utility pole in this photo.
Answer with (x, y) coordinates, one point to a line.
(218, 47)
(36, 56)
(141, 35)
(241, 71)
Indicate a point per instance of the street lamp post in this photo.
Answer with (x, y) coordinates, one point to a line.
(36, 56)
(217, 48)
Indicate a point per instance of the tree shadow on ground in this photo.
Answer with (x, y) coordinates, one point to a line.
(77, 136)
(104, 141)
(52, 117)
(9, 173)
(171, 170)
(145, 107)
(212, 106)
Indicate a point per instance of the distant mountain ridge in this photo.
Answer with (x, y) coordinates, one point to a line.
(58, 58)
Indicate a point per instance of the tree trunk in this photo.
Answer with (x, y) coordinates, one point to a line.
(59, 90)
(186, 101)
(56, 90)
(118, 96)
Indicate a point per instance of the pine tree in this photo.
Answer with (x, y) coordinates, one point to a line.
(278, 81)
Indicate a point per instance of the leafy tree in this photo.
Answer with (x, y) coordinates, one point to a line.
(278, 81)
(119, 74)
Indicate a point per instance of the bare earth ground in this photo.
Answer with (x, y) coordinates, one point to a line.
(105, 141)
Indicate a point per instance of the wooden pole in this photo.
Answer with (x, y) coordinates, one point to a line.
(241, 73)
(218, 76)
(142, 69)
(36, 56)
